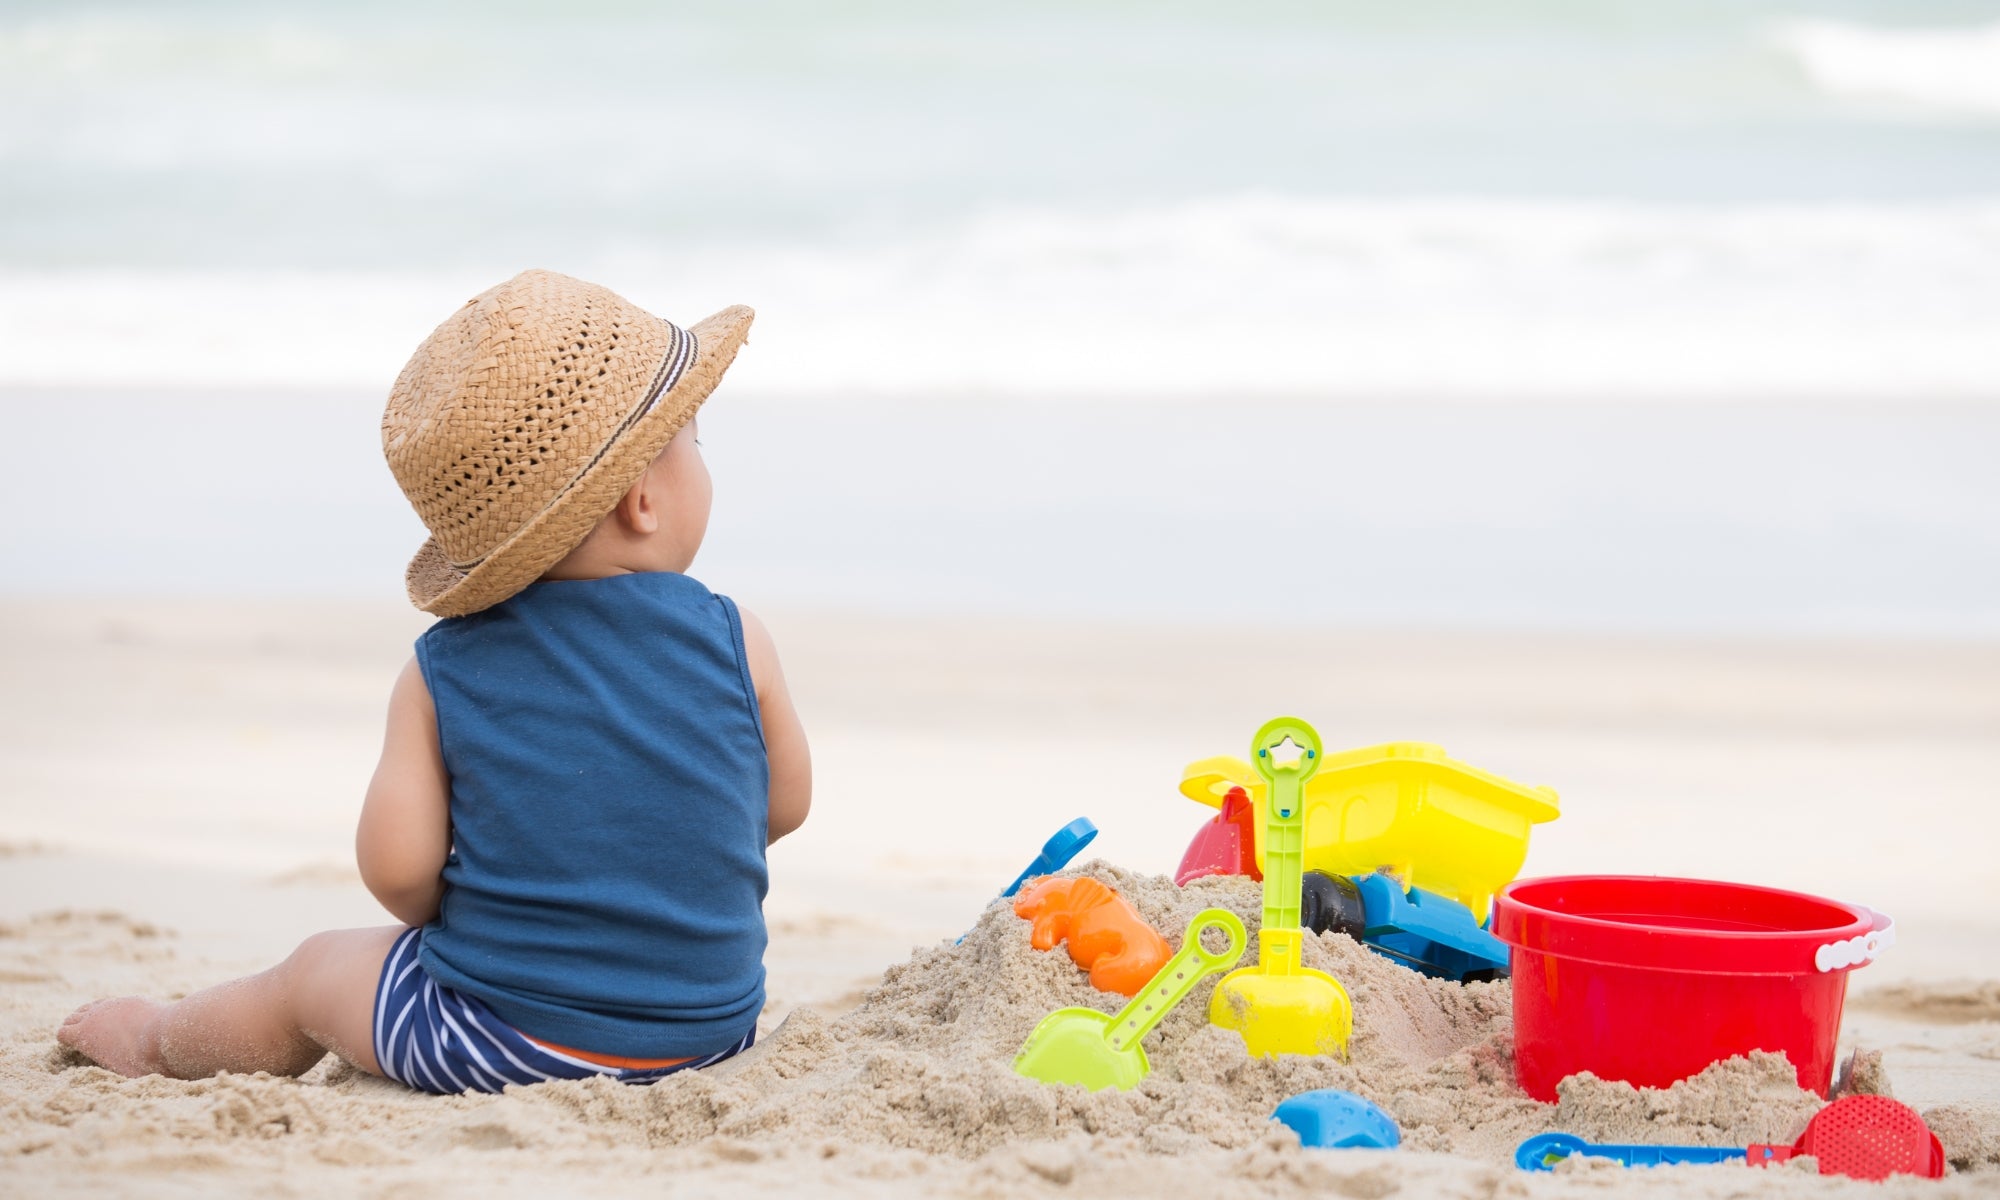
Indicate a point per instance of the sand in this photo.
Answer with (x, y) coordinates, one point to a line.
(914, 1085)
(883, 1064)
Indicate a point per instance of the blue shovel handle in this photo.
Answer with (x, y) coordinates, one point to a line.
(1067, 843)
(1543, 1151)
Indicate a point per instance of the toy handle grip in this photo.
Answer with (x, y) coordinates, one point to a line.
(1284, 814)
(1171, 984)
(1543, 1151)
(1062, 846)
(1287, 782)
(1209, 780)
(1861, 950)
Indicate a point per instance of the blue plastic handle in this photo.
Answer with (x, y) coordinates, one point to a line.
(1426, 931)
(1543, 1151)
(1067, 843)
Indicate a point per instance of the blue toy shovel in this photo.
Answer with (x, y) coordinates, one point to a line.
(1544, 1150)
(1064, 845)
(1067, 843)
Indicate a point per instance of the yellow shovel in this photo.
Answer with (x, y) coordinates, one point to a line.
(1084, 1046)
(1279, 1006)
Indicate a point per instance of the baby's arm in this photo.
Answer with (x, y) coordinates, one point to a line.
(405, 830)
(784, 736)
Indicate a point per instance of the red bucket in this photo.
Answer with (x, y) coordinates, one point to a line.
(1650, 980)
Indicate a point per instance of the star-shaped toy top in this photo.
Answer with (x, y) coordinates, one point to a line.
(1286, 754)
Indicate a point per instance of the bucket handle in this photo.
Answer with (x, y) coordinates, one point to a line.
(1860, 950)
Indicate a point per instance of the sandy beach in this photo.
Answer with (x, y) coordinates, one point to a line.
(1605, 393)
(181, 779)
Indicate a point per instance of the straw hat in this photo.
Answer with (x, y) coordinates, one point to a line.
(523, 418)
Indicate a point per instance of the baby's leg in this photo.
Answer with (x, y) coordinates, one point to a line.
(283, 1021)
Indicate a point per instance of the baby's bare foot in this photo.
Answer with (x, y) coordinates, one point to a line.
(118, 1034)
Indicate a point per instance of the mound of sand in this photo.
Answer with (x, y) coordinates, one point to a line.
(924, 1062)
(915, 1085)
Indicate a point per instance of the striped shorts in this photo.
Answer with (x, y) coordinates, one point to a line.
(438, 1039)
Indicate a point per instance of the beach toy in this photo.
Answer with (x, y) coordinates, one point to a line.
(1649, 979)
(1063, 845)
(1405, 809)
(1226, 845)
(1422, 930)
(1279, 1005)
(1084, 1046)
(1335, 1120)
(1106, 936)
(1862, 1137)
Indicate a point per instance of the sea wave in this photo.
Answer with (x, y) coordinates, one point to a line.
(1263, 295)
(1950, 70)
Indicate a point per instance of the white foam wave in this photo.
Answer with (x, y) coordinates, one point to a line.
(1270, 296)
(1949, 70)
(107, 46)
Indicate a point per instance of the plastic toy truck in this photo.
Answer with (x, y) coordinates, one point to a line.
(1408, 843)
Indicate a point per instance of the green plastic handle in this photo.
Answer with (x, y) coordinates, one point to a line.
(1284, 815)
(1172, 983)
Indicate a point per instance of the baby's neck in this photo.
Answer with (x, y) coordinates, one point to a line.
(634, 557)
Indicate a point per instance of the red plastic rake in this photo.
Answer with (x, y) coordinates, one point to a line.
(1862, 1137)
(1865, 1137)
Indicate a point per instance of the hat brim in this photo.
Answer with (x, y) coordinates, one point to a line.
(442, 589)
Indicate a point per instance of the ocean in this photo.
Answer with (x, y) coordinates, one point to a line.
(1641, 275)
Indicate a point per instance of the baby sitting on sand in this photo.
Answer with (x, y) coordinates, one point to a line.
(585, 759)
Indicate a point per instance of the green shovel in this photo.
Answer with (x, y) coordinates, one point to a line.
(1082, 1045)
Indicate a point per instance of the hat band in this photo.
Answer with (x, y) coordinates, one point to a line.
(680, 352)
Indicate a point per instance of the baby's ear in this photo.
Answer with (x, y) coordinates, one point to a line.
(638, 511)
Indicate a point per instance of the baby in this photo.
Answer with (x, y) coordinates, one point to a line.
(585, 759)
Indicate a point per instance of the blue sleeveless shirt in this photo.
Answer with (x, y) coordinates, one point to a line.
(609, 807)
